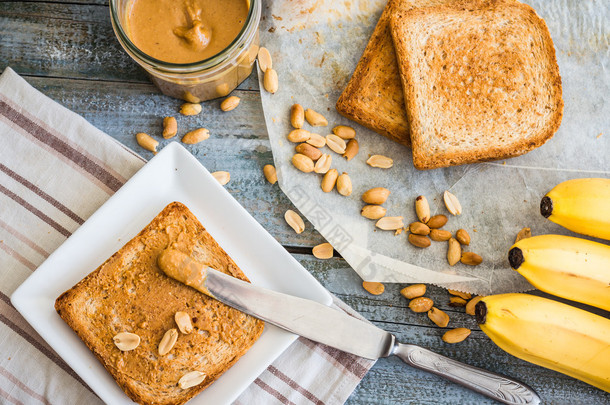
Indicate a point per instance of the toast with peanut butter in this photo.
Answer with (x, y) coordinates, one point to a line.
(129, 293)
(373, 97)
(480, 80)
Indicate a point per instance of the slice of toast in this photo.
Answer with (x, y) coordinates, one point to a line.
(480, 79)
(373, 97)
(129, 293)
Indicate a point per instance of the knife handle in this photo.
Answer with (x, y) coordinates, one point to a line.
(492, 385)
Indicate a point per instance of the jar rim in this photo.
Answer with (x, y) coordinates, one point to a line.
(214, 60)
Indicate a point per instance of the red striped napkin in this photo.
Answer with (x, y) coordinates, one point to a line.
(56, 169)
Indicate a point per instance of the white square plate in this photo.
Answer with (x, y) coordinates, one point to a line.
(173, 175)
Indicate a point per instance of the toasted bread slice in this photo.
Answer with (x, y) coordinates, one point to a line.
(373, 97)
(129, 293)
(480, 79)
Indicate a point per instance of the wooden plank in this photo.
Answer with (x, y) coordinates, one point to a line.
(67, 40)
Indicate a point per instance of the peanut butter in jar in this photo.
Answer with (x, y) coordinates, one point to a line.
(193, 49)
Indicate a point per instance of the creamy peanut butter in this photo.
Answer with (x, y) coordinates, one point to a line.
(184, 31)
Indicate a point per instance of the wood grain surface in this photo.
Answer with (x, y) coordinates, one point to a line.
(67, 49)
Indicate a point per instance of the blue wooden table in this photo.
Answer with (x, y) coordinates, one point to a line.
(66, 49)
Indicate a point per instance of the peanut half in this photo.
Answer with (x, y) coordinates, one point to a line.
(344, 184)
(351, 149)
(421, 304)
(329, 180)
(323, 251)
(183, 320)
(440, 318)
(270, 173)
(323, 164)
(315, 119)
(191, 379)
(460, 294)
(422, 209)
(316, 140)
(297, 116)
(222, 177)
(303, 163)
(456, 335)
(413, 291)
(295, 221)
(457, 301)
(373, 211)
(170, 127)
(336, 144)
(472, 303)
(270, 80)
(196, 136)
(420, 241)
(264, 59)
(344, 132)
(380, 161)
(377, 195)
(147, 142)
(390, 223)
(452, 203)
(373, 287)
(230, 103)
(126, 341)
(168, 341)
(309, 151)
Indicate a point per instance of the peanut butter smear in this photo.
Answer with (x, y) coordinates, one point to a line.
(184, 31)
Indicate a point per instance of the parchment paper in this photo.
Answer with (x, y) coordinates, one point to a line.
(316, 45)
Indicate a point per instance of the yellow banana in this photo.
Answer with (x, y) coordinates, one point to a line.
(572, 268)
(580, 205)
(551, 334)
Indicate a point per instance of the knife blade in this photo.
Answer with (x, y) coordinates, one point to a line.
(337, 329)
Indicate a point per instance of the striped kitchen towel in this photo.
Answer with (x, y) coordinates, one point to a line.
(56, 169)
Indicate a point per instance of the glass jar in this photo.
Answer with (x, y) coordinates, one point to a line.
(210, 78)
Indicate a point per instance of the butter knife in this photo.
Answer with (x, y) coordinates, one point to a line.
(334, 328)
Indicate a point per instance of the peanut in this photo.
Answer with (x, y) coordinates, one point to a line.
(344, 184)
(437, 221)
(336, 144)
(196, 136)
(190, 109)
(471, 259)
(191, 379)
(323, 164)
(270, 80)
(264, 59)
(454, 252)
(316, 140)
(295, 221)
(457, 301)
(303, 163)
(183, 320)
(315, 119)
(523, 234)
(309, 151)
(344, 132)
(440, 235)
(389, 223)
(373, 287)
(147, 142)
(452, 203)
(419, 240)
(270, 173)
(460, 294)
(380, 161)
(373, 211)
(418, 228)
(377, 195)
(472, 303)
(323, 251)
(170, 127)
(230, 103)
(440, 318)
(298, 135)
(422, 209)
(456, 335)
(126, 341)
(413, 291)
(421, 304)
(351, 149)
(168, 341)
(462, 236)
(297, 116)
(222, 177)
(329, 180)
